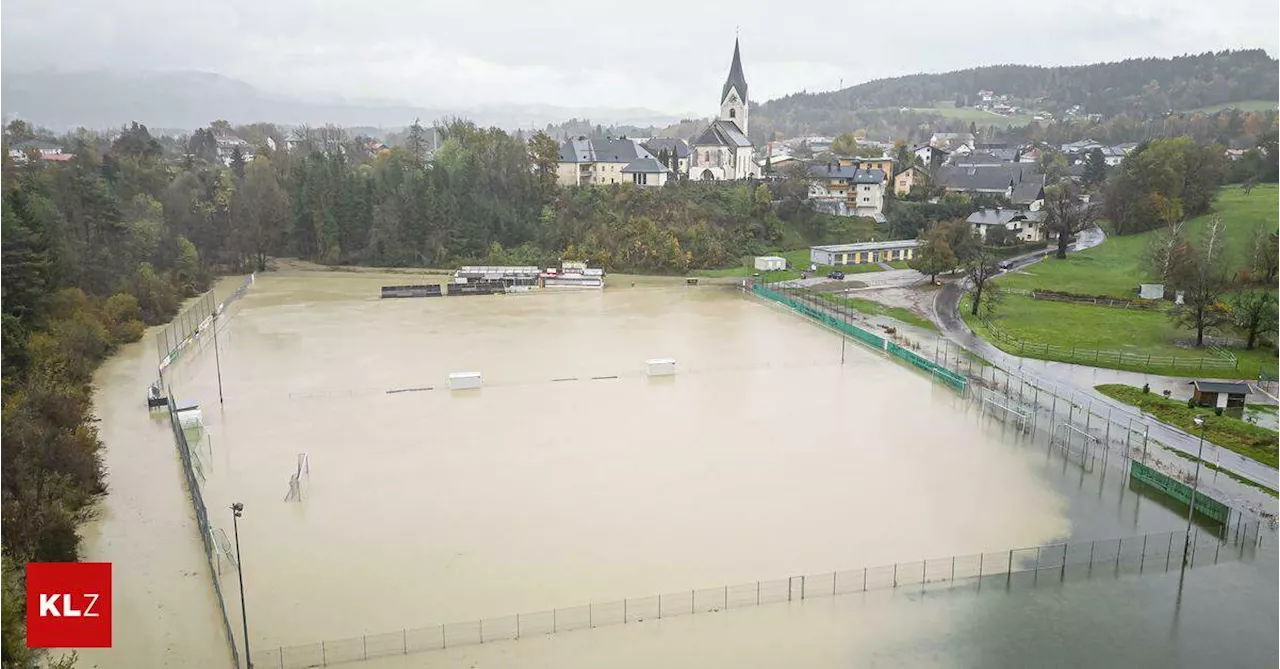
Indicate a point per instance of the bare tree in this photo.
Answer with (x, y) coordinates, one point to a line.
(1166, 250)
(1066, 214)
(1202, 278)
(981, 267)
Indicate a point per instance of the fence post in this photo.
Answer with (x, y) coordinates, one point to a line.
(1092, 545)
(864, 578)
(981, 558)
(1063, 577)
(1009, 570)
(324, 657)
(1119, 549)
(1168, 553)
(757, 594)
(591, 616)
(802, 587)
(726, 597)
(692, 596)
(895, 574)
(404, 640)
(953, 568)
(1142, 561)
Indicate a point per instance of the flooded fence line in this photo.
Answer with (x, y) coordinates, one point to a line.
(213, 540)
(1087, 428)
(839, 318)
(188, 325)
(1156, 552)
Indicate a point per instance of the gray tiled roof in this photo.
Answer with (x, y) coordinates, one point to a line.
(647, 165)
(1002, 216)
(735, 79)
(658, 144)
(582, 150)
(1221, 387)
(1026, 183)
(722, 133)
(38, 144)
(854, 175)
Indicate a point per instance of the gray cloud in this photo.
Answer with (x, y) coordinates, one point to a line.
(669, 56)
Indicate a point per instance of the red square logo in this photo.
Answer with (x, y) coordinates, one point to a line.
(68, 604)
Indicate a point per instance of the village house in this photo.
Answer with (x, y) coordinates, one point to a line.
(930, 156)
(1019, 183)
(907, 179)
(38, 147)
(883, 163)
(861, 190)
(1019, 225)
(584, 161)
(952, 141)
(723, 152)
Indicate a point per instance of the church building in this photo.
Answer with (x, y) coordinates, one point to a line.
(722, 151)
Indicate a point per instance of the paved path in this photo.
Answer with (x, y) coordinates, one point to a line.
(946, 314)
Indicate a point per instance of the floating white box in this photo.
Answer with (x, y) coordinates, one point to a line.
(662, 366)
(464, 380)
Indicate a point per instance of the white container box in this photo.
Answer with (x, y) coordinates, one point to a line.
(662, 366)
(464, 380)
(768, 263)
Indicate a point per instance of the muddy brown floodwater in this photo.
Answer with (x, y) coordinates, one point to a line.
(763, 457)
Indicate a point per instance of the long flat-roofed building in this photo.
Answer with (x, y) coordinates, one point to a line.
(864, 252)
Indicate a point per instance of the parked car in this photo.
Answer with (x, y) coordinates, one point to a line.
(836, 274)
(1006, 264)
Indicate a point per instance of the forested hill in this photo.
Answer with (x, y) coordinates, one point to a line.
(1141, 86)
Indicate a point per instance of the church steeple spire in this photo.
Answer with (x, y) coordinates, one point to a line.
(735, 79)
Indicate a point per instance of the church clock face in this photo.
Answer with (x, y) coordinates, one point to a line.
(733, 98)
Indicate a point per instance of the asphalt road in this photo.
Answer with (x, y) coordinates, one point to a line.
(946, 315)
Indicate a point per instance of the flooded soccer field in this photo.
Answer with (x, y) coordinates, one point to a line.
(569, 477)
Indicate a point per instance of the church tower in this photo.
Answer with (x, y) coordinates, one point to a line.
(733, 97)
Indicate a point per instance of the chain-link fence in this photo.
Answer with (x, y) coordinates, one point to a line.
(1220, 360)
(1088, 429)
(210, 539)
(174, 338)
(1161, 551)
(840, 318)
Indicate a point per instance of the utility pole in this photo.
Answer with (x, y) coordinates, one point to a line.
(1195, 483)
(237, 509)
(217, 358)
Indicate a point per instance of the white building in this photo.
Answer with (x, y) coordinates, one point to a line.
(1023, 226)
(18, 152)
(864, 252)
(861, 189)
(722, 151)
(585, 162)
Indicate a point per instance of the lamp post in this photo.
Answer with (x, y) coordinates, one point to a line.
(1195, 483)
(236, 510)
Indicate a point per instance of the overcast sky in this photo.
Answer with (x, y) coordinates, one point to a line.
(666, 56)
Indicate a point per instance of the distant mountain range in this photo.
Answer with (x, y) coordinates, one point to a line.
(189, 100)
(1139, 87)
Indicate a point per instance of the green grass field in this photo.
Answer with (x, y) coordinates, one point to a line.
(948, 109)
(1242, 105)
(1231, 433)
(798, 259)
(1115, 267)
(1140, 333)
(873, 308)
